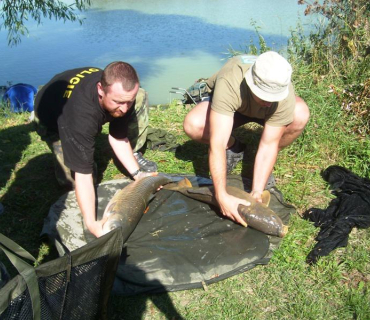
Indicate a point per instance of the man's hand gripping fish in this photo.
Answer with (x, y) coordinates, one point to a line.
(257, 215)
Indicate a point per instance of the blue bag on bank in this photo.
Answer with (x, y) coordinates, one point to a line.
(20, 97)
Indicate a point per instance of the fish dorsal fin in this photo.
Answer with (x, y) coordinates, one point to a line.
(185, 183)
(266, 196)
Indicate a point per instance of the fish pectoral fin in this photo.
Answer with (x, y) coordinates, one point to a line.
(266, 197)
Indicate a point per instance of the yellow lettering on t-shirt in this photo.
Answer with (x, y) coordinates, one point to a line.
(76, 79)
(67, 94)
(85, 71)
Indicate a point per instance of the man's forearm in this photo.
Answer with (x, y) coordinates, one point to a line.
(220, 132)
(228, 204)
(217, 167)
(123, 151)
(263, 165)
(85, 194)
(266, 156)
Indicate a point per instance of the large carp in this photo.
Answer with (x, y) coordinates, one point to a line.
(128, 205)
(257, 215)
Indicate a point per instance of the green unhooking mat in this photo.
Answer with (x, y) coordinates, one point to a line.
(179, 243)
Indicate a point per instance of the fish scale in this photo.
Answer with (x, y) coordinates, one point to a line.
(128, 205)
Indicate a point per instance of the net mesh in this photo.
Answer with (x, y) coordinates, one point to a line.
(19, 308)
(78, 298)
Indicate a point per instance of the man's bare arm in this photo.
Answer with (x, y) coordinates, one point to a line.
(85, 194)
(123, 151)
(220, 131)
(266, 156)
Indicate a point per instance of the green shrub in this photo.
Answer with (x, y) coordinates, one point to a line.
(337, 51)
(340, 39)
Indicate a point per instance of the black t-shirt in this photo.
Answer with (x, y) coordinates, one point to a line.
(69, 105)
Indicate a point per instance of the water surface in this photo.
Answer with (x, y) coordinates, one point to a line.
(170, 43)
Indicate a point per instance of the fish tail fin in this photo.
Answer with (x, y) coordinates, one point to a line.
(266, 197)
(284, 231)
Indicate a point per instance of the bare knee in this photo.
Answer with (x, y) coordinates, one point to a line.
(294, 130)
(192, 126)
(195, 123)
(301, 115)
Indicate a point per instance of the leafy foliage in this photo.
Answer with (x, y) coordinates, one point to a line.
(15, 13)
(337, 51)
(342, 36)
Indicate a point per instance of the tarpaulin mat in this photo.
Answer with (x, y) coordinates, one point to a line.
(179, 243)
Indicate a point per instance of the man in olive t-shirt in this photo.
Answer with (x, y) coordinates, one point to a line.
(247, 89)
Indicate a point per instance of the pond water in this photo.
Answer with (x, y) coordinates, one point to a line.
(169, 42)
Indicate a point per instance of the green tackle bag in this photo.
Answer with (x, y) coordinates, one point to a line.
(75, 286)
(195, 93)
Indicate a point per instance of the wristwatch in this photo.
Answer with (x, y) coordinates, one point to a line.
(134, 174)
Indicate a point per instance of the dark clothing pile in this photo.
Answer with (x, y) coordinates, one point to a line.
(350, 209)
(159, 139)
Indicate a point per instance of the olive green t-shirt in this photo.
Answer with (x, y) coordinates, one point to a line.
(230, 93)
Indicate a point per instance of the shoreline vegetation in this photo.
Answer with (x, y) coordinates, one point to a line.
(332, 74)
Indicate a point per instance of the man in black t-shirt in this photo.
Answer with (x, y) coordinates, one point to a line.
(71, 110)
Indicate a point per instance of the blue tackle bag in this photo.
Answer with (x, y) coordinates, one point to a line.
(20, 97)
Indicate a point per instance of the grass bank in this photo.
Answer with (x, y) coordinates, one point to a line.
(287, 288)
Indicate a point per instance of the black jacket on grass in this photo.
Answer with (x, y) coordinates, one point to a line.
(350, 209)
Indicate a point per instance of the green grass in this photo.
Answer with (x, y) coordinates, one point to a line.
(337, 287)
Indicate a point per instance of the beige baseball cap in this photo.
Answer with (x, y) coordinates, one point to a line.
(269, 77)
